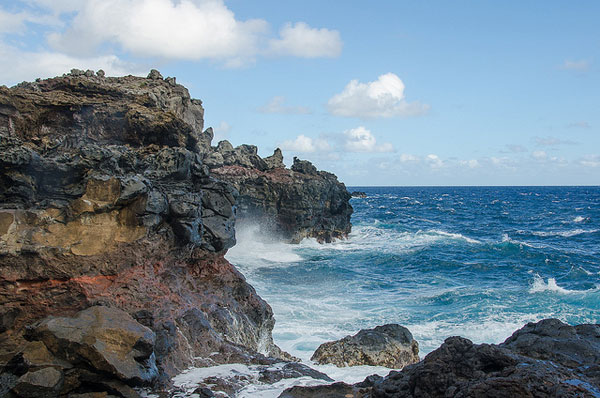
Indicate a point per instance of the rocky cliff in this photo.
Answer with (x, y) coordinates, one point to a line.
(289, 204)
(107, 198)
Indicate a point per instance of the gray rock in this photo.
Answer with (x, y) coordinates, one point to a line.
(275, 161)
(390, 345)
(335, 390)
(154, 75)
(41, 383)
(107, 339)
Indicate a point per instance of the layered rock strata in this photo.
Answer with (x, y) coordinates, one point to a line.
(289, 204)
(107, 198)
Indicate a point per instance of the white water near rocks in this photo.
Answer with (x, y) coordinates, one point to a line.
(474, 262)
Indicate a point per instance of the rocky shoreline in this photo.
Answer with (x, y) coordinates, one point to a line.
(115, 215)
(107, 200)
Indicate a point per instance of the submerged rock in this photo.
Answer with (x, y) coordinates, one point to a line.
(389, 345)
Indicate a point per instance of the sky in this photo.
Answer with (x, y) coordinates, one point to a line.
(379, 93)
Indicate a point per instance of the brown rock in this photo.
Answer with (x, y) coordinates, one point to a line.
(108, 339)
(41, 383)
(390, 345)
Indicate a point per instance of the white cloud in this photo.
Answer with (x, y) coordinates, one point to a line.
(472, 163)
(406, 157)
(11, 23)
(200, 29)
(221, 132)
(578, 66)
(362, 140)
(300, 40)
(590, 161)
(383, 97)
(30, 65)
(434, 161)
(277, 105)
(539, 155)
(303, 143)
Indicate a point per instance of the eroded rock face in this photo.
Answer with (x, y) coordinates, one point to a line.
(291, 204)
(104, 199)
(389, 345)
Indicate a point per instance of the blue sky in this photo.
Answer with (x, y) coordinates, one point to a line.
(380, 93)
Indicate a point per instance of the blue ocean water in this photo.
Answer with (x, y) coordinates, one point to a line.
(479, 262)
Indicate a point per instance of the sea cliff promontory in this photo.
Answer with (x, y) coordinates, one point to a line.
(115, 216)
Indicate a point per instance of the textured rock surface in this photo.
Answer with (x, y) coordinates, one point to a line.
(107, 339)
(389, 345)
(552, 340)
(540, 360)
(286, 203)
(104, 199)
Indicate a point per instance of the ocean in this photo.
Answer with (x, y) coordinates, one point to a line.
(479, 262)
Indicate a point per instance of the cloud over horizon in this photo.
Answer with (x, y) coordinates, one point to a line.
(383, 97)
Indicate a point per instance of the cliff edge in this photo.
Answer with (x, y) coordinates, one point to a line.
(107, 199)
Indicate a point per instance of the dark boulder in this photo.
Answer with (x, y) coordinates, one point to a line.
(552, 340)
(389, 345)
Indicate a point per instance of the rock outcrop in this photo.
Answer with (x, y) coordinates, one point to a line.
(290, 204)
(391, 345)
(105, 200)
(544, 359)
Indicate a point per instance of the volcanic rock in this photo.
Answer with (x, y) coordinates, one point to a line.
(389, 345)
(291, 204)
(107, 339)
(105, 200)
(544, 359)
(552, 340)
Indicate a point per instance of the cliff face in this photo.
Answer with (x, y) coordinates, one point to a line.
(292, 204)
(105, 200)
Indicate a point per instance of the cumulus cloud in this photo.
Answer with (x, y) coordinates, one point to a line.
(300, 40)
(434, 161)
(362, 140)
(26, 65)
(577, 66)
(539, 155)
(185, 29)
(303, 143)
(277, 105)
(383, 97)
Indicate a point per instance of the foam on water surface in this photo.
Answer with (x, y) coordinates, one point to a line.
(495, 259)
